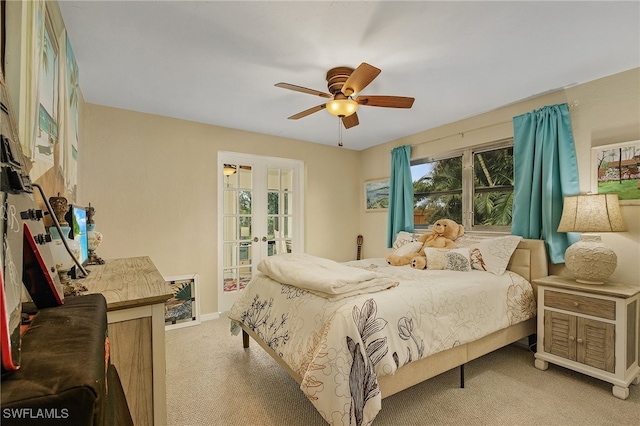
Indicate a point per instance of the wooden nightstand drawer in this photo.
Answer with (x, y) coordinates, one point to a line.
(581, 304)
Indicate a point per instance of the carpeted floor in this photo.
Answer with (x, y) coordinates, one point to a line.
(212, 380)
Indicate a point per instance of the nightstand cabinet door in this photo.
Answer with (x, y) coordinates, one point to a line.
(578, 339)
(596, 344)
(560, 334)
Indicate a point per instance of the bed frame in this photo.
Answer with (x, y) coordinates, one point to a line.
(529, 260)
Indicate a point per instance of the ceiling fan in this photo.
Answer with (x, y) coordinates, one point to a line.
(344, 83)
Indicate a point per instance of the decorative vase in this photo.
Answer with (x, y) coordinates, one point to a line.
(94, 238)
(590, 261)
(63, 261)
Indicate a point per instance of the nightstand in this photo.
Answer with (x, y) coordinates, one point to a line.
(592, 329)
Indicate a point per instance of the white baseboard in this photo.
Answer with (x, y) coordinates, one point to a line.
(208, 317)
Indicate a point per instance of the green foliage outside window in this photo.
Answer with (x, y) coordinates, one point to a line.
(438, 194)
(440, 191)
(493, 187)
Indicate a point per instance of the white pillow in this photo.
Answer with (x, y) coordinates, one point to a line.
(492, 255)
(407, 248)
(404, 237)
(452, 259)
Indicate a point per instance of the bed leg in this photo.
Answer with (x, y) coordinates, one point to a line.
(245, 339)
(462, 376)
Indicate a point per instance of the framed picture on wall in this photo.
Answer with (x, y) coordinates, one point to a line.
(615, 169)
(376, 195)
(183, 309)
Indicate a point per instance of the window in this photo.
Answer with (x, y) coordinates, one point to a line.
(474, 187)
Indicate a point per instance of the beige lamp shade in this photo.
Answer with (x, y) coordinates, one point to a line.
(591, 213)
(589, 260)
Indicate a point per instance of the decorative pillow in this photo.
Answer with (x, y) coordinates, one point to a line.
(403, 238)
(408, 248)
(452, 259)
(467, 240)
(492, 255)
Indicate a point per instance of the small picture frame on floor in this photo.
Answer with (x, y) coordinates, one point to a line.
(183, 309)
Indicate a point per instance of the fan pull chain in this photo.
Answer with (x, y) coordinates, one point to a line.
(339, 131)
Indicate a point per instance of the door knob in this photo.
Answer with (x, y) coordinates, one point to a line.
(264, 239)
(255, 239)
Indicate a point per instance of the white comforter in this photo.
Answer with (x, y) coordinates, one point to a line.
(324, 277)
(340, 348)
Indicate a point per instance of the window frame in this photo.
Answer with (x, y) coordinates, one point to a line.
(468, 174)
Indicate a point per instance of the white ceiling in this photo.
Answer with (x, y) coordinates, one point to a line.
(217, 62)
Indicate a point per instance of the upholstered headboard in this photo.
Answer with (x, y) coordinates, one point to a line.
(530, 260)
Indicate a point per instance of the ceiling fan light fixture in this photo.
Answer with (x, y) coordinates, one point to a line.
(342, 107)
(228, 170)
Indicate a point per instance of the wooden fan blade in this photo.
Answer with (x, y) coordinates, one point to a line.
(350, 121)
(360, 78)
(304, 90)
(386, 101)
(308, 112)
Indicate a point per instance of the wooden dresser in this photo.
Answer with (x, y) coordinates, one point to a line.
(136, 293)
(593, 329)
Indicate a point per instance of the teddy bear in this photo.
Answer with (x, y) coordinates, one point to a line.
(443, 233)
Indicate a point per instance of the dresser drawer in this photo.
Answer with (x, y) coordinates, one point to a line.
(581, 304)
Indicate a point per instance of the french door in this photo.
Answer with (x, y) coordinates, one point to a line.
(259, 214)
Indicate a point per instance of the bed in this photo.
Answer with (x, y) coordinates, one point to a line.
(349, 352)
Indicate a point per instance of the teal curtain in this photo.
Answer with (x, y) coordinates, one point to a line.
(400, 194)
(545, 171)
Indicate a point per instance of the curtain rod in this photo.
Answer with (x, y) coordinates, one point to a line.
(570, 105)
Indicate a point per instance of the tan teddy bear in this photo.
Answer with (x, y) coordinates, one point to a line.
(442, 235)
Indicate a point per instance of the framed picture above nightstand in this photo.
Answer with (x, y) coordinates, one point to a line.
(592, 329)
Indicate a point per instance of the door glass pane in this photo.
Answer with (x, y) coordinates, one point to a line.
(229, 254)
(287, 203)
(245, 227)
(245, 277)
(230, 175)
(244, 175)
(273, 179)
(287, 179)
(229, 201)
(273, 203)
(230, 228)
(271, 226)
(245, 253)
(287, 227)
(244, 201)
(230, 278)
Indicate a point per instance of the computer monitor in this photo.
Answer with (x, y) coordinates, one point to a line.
(77, 219)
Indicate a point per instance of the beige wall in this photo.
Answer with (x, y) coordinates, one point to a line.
(607, 111)
(153, 183)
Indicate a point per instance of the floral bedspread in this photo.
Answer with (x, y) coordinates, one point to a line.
(340, 348)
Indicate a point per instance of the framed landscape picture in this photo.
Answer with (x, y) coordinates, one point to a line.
(183, 309)
(615, 169)
(376, 195)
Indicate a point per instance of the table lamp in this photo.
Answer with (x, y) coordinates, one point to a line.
(589, 260)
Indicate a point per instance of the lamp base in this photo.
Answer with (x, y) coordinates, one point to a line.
(590, 261)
